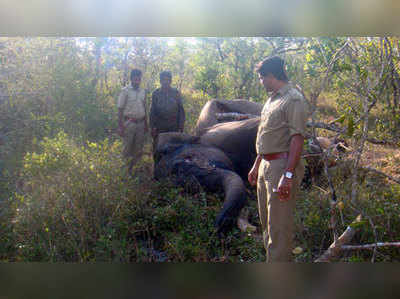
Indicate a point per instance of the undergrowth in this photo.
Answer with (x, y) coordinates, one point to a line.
(78, 204)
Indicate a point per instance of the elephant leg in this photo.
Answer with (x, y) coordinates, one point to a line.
(235, 200)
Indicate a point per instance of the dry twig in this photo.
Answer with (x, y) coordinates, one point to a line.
(335, 249)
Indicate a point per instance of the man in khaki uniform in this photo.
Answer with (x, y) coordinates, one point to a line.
(278, 170)
(132, 122)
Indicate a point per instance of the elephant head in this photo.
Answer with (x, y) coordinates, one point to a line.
(187, 162)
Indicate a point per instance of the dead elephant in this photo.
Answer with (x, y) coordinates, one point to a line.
(218, 158)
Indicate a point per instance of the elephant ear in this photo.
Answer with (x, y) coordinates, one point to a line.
(176, 138)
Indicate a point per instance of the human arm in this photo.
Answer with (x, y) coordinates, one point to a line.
(121, 127)
(296, 117)
(253, 173)
(181, 113)
(121, 107)
(152, 115)
(285, 184)
(146, 127)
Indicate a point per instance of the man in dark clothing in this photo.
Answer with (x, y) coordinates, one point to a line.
(166, 113)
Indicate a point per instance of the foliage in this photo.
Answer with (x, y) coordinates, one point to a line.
(65, 195)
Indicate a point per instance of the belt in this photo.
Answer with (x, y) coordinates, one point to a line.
(135, 120)
(275, 156)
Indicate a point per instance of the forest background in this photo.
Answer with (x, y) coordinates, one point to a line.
(65, 196)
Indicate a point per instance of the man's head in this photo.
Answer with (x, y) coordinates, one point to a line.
(136, 77)
(165, 79)
(272, 73)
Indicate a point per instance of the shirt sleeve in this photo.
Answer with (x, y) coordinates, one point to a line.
(122, 99)
(181, 112)
(297, 117)
(152, 115)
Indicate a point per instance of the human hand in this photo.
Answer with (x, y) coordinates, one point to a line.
(153, 132)
(121, 131)
(253, 176)
(284, 188)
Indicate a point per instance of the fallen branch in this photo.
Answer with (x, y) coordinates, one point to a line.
(336, 247)
(334, 128)
(385, 142)
(371, 246)
(382, 173)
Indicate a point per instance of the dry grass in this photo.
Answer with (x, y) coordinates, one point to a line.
(383, 158)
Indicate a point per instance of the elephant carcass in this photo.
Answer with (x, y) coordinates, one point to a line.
(188, 162)
(217, 158)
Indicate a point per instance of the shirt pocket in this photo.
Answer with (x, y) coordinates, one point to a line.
(274, 119)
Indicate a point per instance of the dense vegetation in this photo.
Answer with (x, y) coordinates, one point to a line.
(65, 195)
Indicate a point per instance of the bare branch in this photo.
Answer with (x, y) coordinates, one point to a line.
(329, 68)
(322, 51)
(335, 249)
(370, 246)
(359, 152)
(325, 154)
(334, 128)
(381, 173)
(330, 127)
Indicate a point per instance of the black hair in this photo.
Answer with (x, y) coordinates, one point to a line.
(136, 73)
(165, 74)
(273, 65)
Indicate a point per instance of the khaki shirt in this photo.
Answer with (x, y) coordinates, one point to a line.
(284, 115)
(133, 102)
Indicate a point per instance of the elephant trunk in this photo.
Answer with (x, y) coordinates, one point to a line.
(235, 199)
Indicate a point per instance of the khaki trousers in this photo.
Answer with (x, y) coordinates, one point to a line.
(133, 140)
(277, 217)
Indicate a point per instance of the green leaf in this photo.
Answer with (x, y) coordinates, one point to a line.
(340, 119)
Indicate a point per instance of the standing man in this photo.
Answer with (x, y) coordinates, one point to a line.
(132, 122)
(166, 113)
(278, 170)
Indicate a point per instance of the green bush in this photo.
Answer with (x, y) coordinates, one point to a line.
(72, 199)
